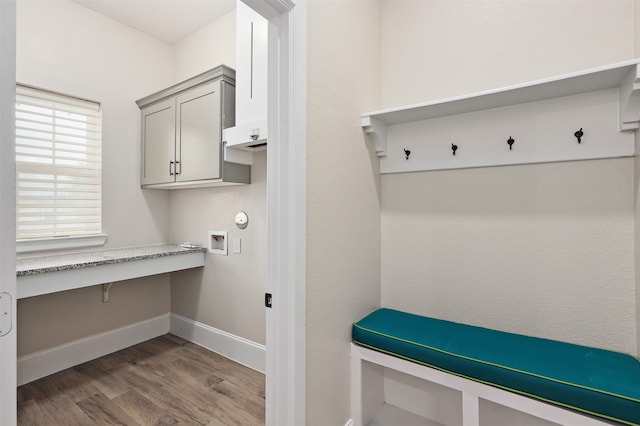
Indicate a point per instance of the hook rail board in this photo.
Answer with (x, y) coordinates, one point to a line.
(581, 116)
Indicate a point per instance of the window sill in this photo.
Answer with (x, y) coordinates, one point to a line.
(65, 243)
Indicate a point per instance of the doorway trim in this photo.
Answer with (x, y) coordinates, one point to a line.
(8, 409)
(286, 210)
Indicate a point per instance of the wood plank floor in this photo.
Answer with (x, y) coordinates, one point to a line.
(164, 381)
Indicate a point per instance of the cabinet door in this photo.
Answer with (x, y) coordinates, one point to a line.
(252, 37)
(199, 135)
(158, 143)
(252, 34)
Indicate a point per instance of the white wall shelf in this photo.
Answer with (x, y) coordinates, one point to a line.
(541, 116)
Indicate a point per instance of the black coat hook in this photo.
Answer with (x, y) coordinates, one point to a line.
(454, 148)
(407, 153)
(510, 141)
(579, 134)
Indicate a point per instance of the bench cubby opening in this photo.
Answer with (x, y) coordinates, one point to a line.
(385, 390)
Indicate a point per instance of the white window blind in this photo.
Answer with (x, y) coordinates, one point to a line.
(58, 165)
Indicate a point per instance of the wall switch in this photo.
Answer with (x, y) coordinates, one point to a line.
(237, 246)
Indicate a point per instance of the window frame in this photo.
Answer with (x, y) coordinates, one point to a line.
(92, 239)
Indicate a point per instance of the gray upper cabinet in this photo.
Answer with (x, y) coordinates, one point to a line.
(197, 137)
(158, 142)
(181, 138)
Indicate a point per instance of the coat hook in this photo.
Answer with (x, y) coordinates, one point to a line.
(510, 141)
(407, 153)
(454, 147)
(579, 134)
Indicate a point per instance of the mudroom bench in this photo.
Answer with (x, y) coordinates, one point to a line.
(412, 370)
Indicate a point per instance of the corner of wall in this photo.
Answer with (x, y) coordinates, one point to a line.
(636, 28)
(217, 39)
(636, 255)
(343, 196)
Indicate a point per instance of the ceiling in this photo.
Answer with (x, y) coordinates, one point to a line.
(166, 20)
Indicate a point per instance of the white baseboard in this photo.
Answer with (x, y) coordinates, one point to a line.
(43, 363)
(238, 349)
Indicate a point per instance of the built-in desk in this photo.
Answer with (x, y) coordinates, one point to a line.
(50, 274)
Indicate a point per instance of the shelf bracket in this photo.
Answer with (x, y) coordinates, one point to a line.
(106, 287)
(378, 132)
(629, 103)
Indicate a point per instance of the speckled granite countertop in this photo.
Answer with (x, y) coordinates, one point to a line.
(62, 262)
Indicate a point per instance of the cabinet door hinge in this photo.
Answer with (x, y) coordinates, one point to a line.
(267, 300)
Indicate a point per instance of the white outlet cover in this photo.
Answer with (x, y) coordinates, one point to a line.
(218, 242)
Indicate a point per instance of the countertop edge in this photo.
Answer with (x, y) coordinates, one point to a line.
(172, 250)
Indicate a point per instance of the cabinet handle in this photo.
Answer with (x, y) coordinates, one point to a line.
(178, 171)
(170, 168)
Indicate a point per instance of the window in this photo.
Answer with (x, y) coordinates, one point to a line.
(58, 166)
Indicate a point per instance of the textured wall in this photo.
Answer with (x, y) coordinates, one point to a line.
(228, 293)
(543, 250)
(636, 46)
(47, 321)
(210, 46)
(636, 28)
(539, 249)
(343, 217)
(442, 48)
(65, 47)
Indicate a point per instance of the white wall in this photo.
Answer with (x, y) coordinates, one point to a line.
(88, 55)
(57, 318)
(65, 47)
(210, 46)
(637, 239)
(636, 45)
(438, 49)
(7, 199)
(542, 249)
(343, 212)
(228, 294)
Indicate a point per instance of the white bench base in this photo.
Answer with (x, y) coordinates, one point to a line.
(387, 390)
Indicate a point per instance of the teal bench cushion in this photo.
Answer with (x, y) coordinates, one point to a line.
(595, 381)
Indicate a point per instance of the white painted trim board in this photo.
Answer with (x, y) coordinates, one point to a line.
(238, 349)
(8, 342)
(48, 361)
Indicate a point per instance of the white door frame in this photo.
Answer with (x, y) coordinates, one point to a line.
(8, 408)
(286, 210)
